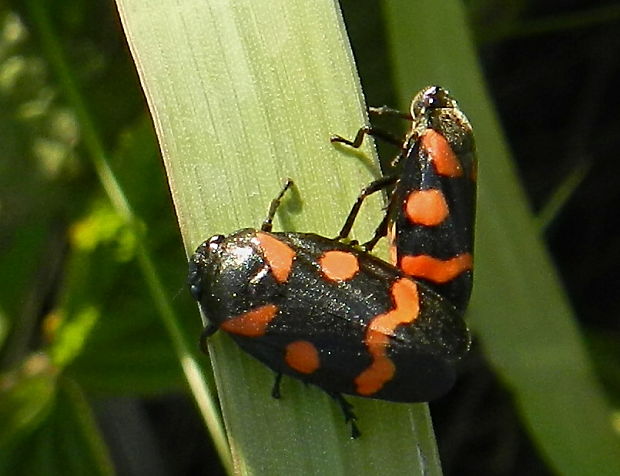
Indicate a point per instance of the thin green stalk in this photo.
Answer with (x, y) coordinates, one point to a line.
(98, 156)
(560, 196)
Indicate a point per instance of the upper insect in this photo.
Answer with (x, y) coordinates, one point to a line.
(430, 216)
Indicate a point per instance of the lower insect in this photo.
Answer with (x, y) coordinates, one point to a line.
(329, 314)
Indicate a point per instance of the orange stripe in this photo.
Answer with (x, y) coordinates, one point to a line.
(279, 256)
(440, 152)
(252, 323)
(406, 309)
(373, 378)
(426, 207)
(339, 265)
(302, 356)
(436, 270)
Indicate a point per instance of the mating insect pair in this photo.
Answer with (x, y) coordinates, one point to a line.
(333, 315)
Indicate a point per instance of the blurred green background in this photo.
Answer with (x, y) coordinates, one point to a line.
(89, 381)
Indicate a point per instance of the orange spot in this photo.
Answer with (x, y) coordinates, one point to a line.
(426, 207)
(436, 270)
(252, 323)
(279, 256)
(406, 309)
(302, 356)
(339, 265)
(441, 154)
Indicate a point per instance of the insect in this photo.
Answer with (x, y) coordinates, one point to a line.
(328, 313)
(430, 215)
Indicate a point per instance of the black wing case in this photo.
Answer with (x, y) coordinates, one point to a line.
(339, 334)
(434, 227)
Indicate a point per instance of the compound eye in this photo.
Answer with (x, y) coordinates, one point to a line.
(194, 280)
(195, 290)
(200, 261)
(433, 97)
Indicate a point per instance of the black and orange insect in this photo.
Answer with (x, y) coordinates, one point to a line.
(430, 216)
(329, 314)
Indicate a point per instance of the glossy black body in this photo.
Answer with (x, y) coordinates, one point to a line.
(230, 276)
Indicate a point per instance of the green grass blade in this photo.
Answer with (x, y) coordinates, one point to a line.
(519, 309)
(243, 95)
(560, 196)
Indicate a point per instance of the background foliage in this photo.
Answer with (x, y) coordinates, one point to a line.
(90, 379)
